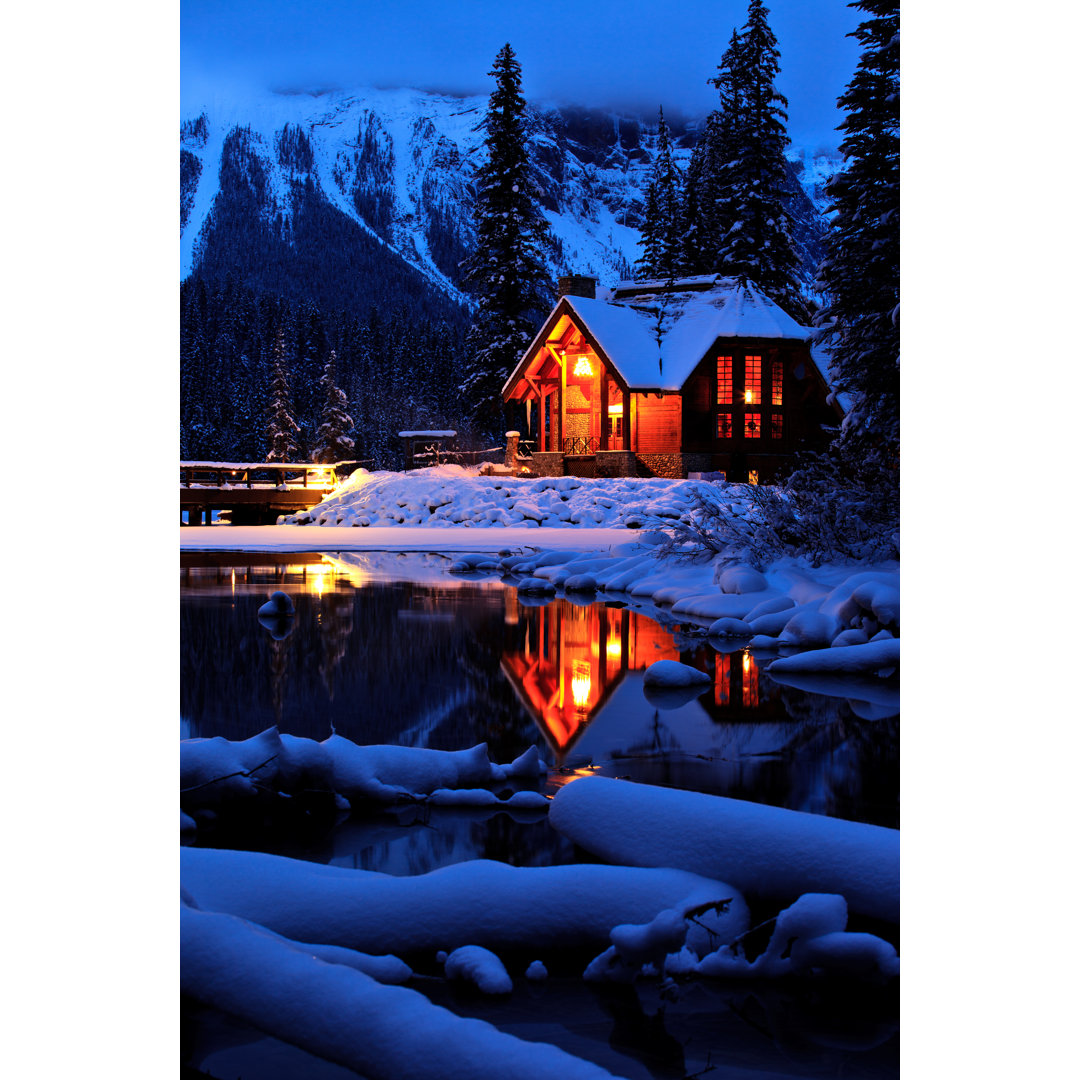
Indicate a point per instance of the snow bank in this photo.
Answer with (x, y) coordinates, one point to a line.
(671, 674)
(471, 903)
(872, 658)
(215, 771)
(763, 850)
(340, 1014)
(448, 496)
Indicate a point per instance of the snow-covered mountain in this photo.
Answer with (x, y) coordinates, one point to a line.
(344, 182)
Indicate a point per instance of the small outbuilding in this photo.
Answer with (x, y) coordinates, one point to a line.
(697, 375)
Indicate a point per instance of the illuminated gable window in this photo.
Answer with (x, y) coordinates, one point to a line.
(724, 428)
(752, 386)
(583, 367)
(752, 426)
(777, 384)
(723, 380)
(776, 426)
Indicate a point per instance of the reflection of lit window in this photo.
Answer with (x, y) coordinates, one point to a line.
(614, 649)
(752, 427)
(752, 386)
(776, 426)
(723, 426)
(753, 477)
(581, 683)
(749, 681)
(778, 382)
(723, 380)
(723, 679)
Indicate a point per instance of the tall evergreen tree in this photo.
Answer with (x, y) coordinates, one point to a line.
(860, 275)
(333, 442)
(507, 271)
(281, 427)
(661, 232)
(752, 219)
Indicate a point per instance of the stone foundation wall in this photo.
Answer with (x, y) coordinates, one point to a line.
(547, 463)
(668, 466)
(616, 463)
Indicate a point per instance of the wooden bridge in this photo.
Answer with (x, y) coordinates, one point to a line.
(253, 493)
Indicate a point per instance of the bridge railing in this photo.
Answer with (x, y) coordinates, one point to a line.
(248, 474)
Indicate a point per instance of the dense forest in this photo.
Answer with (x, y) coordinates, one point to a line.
(397, 366)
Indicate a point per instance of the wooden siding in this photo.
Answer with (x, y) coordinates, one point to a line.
(659, 423)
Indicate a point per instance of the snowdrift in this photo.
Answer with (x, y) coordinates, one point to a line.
(764, 851)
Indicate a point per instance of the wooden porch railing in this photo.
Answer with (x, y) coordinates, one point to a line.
(580, 445)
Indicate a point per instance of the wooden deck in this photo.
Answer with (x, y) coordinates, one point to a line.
(253, 493)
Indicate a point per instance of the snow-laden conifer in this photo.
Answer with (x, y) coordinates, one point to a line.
(333, 442)
(860, 275)
(753, 221)
(507, 271)
(661, 231)
(281, 428)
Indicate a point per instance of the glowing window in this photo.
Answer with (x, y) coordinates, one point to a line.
(776, 426)
(723, 380)
(724, 427)
(778, 383)
(752, 385)
(752, 425)
(583, 367)
(753, 477)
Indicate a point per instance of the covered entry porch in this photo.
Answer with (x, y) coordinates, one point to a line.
(579, 412)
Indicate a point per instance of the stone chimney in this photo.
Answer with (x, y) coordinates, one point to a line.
(578, 285)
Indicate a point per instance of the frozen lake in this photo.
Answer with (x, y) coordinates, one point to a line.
(390, 648)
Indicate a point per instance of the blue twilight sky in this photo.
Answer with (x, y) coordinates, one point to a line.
(601, 53)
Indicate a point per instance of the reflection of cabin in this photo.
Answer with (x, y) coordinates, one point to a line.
(571, 658)
(423, 448)
(701, 374)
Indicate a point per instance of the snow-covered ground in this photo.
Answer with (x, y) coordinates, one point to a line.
(252, 921)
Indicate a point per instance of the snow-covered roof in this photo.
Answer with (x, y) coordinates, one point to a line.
(655, 333)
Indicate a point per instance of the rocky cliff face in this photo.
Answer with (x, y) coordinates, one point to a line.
(349, 195)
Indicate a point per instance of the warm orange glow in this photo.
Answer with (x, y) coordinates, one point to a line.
(581, 684)
(753, 477)
(583, 367)
(749, 397)
(750, 696)
(614, 649)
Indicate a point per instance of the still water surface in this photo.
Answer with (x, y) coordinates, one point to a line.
(388, 648)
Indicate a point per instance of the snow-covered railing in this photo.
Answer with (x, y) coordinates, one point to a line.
(248, 474)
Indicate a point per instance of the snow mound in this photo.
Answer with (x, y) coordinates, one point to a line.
(670, 674)
(764, 851)
(480, 967)
(869, 658)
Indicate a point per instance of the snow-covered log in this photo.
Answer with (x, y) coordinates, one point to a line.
(764, 851)
(342, 1015)
(214, 771)
(472, 903)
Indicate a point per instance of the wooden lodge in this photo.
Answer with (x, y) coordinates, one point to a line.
(698, 375)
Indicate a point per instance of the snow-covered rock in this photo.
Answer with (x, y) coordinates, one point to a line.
(670, 674)
(480, 967)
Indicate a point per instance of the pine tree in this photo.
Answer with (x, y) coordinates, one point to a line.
(661, 232)
(752, 218)
(332, 441)
(860, 275)
(281, 428)
(700, 240)
(507, 271)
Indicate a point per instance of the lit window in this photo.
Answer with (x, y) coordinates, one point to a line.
(723, 380)
(752, 429)
(724, 428)
(583, 367)
(752, 385)
(776, 426)
(777, 384)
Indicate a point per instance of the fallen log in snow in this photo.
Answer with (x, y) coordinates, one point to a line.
(763, 851)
